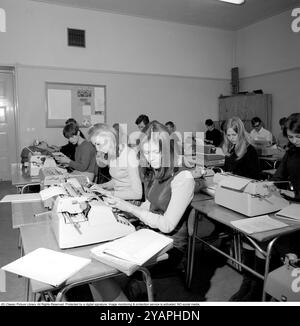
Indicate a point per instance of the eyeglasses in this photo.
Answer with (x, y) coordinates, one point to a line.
(256, 125)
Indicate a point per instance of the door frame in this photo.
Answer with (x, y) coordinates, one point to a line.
(12, 70)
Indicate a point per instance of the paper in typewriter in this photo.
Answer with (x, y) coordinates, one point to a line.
(51, 192)
(233, 182)
(258, 224)
(47, 266)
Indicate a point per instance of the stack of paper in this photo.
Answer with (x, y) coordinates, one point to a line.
(258, 224)
(132, 251)
(47, 266)
(291, 212)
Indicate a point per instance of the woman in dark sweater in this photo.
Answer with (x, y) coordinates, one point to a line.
(240, 156)
(290, 164)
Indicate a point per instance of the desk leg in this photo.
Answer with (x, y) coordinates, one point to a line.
(148, 282)
(191, 252)
(29, 295)
(267, 266)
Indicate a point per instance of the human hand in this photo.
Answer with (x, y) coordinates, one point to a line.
(100, 189)
(117, 203)
(62, 159)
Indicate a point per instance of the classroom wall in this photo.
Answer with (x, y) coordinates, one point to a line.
(268, 57)
(167, 70)
(186, 101)
(37, 35)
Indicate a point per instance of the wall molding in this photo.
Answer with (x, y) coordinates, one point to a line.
(115, 72)
(280, 71)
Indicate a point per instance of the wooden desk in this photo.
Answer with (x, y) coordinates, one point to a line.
(217, 213)
(40, 235)
(21, 179)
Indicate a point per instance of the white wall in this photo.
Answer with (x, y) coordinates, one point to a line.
(268, 46)
(167, 70)
(268, 57)
(37, 35)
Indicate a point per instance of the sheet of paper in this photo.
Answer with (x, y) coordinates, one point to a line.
(291, 212)
(258, 224)
(86, 110)
(47, 266)
(51, 192)
(99, 98)
(59, 104)
(21, 198)
(234, 182)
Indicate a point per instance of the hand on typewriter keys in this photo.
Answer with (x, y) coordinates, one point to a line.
(62, 159)
(117, 203)
(98, 188)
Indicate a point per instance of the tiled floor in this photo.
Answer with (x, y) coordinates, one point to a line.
(213, 280)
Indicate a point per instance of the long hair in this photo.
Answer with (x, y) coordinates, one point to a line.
(293, 123)
(158, 133)
(102, 128)
(240, 148)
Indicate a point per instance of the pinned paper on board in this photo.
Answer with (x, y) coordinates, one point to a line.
(59, 104)
(86, 110)
(99, 99)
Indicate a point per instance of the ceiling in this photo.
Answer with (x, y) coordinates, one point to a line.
(210, 13)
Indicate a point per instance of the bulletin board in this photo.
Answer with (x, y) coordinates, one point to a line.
(84, 103)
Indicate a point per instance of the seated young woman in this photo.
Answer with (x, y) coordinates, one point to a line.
(168, 194)
(123, 164)
(85, 154)
(288, 170)
(240, 156)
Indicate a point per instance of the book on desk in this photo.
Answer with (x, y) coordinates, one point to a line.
(140, 248)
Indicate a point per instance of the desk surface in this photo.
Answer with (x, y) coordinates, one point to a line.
(23, 213)
(200, 197)
(19, 177)
(225, 216)
(40, 235)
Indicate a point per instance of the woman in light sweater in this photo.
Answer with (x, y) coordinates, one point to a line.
(123, 164)
(168, 194)
(85, 160)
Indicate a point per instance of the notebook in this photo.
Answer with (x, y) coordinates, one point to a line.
(133, 250)
(258, 224)
(47, 266)
(291, 212)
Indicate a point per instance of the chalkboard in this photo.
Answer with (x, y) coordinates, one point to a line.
(84, 103)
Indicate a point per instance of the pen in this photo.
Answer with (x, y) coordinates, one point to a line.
(40, 214)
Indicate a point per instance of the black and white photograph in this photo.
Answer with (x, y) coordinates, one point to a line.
(150, 156)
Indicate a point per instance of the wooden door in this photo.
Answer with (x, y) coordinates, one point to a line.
(8, 146)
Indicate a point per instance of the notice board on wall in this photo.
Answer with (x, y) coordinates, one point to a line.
(84, 103)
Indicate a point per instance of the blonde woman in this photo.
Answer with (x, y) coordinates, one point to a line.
(123, 164)
(240, 156)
